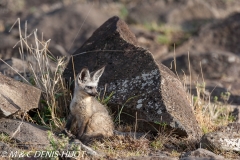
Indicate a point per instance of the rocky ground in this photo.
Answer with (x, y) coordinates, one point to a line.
(197, 39)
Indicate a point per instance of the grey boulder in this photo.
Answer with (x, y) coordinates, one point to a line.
(16, 96)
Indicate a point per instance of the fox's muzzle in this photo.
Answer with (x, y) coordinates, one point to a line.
(93, 92)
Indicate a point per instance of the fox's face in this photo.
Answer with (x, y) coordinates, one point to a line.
(87, 81)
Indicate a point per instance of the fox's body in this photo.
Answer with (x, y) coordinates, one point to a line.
(92, 118)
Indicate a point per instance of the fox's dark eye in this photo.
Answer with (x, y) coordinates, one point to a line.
(89, 87)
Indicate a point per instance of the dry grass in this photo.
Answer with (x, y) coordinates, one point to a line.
(211, 115)
(127, 146)
(120, 146)
(45, 73)
(6, 139)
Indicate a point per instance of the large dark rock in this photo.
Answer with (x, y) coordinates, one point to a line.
(157, 95)
(16, 96)
(27, 135)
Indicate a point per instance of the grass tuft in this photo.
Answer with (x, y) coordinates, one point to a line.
(45, 73)
(120, 146)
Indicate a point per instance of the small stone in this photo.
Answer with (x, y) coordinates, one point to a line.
(201, 154)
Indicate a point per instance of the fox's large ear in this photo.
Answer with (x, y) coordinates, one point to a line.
(84, 75)
(98, 74)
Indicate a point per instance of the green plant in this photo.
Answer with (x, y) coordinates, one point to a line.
(163, 125)
(60, 144)
(231, 118)
(205, 129)
(157, 144)
(163, 39)
(215, 99)
(118, 117)
(5, 138)
(152, 26)
(105, 99)
(123, 12)
(168, 35)
(44, 116)
(33, 9)
(225, 96)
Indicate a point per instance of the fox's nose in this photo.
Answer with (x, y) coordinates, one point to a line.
(95, 92)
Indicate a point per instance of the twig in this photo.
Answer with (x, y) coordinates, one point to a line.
(15, 71)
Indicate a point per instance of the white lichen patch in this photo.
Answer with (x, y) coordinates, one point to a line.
(145, 84)
(139, 101)
(233, 144)
(139, 106)
(231, 59)
(148, 78)
(159, 111)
